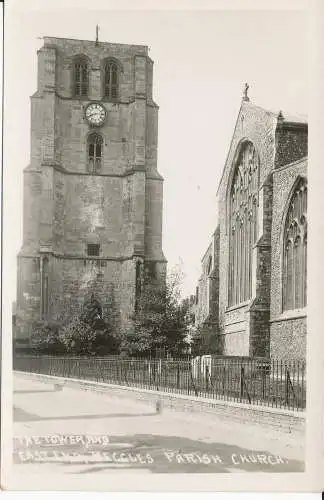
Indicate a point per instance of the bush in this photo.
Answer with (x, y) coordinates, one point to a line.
(46, 339)
(206, 340)
(78, 337)
(89, 333)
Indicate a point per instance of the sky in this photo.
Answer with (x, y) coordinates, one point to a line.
(202, 58)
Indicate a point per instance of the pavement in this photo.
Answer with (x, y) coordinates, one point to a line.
(81, 432)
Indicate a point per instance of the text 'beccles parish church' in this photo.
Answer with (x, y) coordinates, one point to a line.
(92, 214)
(253, 288)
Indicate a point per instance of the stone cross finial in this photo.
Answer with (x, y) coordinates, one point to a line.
(245, 92)
(280, 116)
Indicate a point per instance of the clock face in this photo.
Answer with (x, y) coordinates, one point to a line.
(95, 114)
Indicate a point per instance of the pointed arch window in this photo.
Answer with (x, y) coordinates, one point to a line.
(81, 77)
(95, 152)
(295, 250)
(243, 206)
(111, 80)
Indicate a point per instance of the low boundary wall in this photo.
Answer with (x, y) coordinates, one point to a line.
(276, 418)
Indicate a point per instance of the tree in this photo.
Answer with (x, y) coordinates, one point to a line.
(90, 333)
(92, 313)
(160, 320)
(206, 340)
(78, 337)
(105, 341)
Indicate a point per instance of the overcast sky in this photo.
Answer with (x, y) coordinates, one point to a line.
(202, 59)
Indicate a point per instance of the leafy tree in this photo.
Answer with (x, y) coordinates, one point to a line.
(92, 313)
(136, 342)
(86, 334)
(206, 340)
(160, 320)
(78, 337)
(90, 333)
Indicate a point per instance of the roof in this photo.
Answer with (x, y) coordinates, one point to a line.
(52, 39)
(208, 249)
(295, 118)
(287, 117)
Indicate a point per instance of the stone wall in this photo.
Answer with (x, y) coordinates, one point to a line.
(288, 339)
(253, 415)
(291, 143)
(28, 295)
(203, 303)
(288, 328)
(207, 300)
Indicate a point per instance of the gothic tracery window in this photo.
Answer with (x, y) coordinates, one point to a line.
(243, 224)
(295, 250)
(95, 150)
(81, 77)
(111, 80)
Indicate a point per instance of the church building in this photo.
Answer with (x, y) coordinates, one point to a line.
(253, 287)
(92, 210)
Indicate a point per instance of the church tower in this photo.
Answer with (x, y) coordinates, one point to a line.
(92, 214)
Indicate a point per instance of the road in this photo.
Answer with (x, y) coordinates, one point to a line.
(77, 432)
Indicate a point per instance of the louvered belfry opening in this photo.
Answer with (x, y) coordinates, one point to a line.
(81, 78)
(111, 80)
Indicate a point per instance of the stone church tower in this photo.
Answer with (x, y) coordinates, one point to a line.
(92, 193)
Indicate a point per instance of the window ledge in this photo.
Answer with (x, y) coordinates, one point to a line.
(289, 315)
(237, 306)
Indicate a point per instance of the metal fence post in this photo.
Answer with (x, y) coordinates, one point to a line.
(286, 386)
(263, 381)
(206, 378)
(242, 383)
(178, 376)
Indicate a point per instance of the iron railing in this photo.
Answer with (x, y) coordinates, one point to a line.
(275, 383)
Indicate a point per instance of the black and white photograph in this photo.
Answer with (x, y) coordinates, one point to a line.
(155, 262)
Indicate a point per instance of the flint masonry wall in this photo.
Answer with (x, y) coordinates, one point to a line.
(291, 143)
(288, 329)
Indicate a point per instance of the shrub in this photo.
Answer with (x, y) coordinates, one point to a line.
(206, 340)
(46, 339)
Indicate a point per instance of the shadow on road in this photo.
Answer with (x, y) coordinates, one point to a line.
(154, 453)
(21, 415)
(33, 392)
